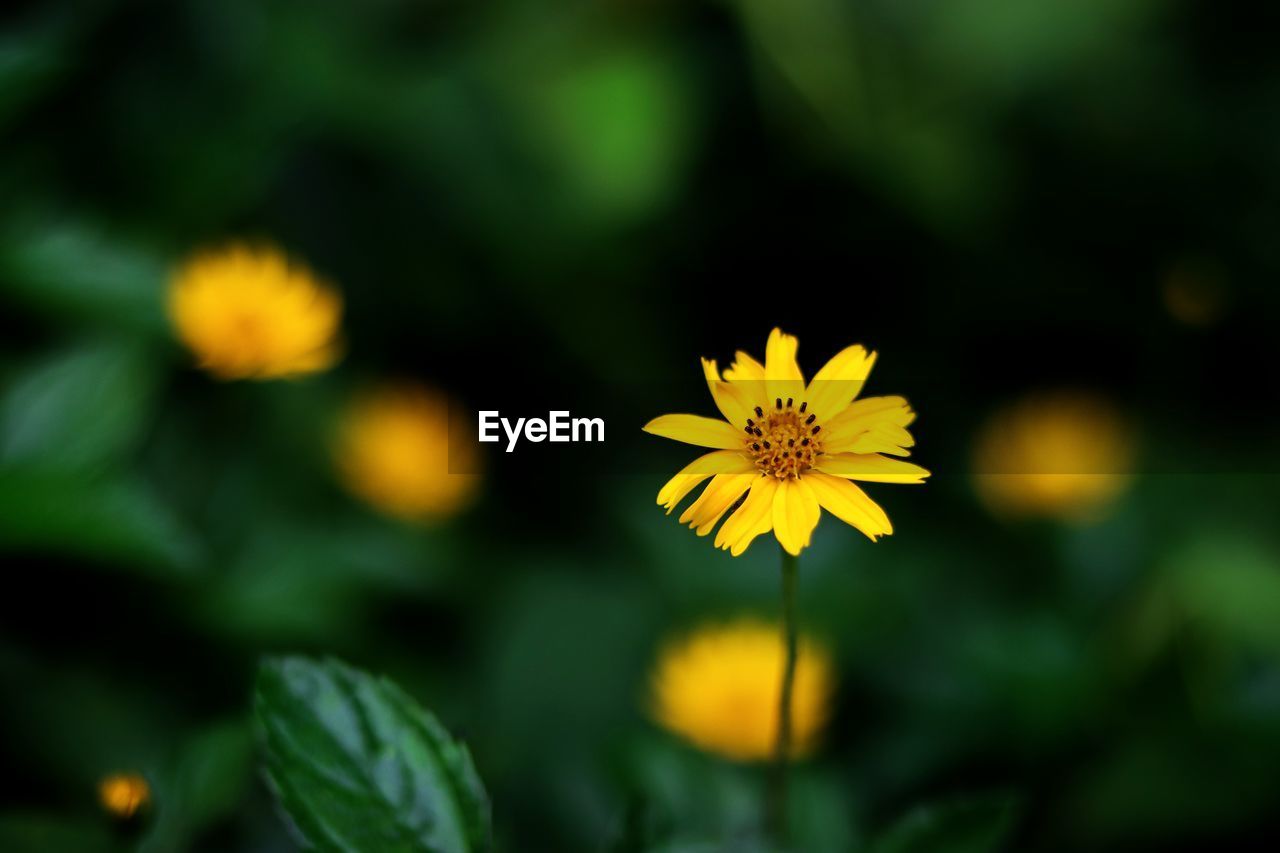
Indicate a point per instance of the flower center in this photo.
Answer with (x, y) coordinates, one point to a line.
(783, 441)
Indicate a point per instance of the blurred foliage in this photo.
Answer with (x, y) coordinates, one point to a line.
(964, 824)
(532, 205)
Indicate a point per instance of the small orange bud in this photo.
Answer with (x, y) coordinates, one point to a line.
(124, 794)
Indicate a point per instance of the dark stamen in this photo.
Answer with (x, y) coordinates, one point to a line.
(766, 445)
(756, 446)
(791, 442)
(785, 454)
(804, 406)
(778, 403)
(804, 442)
(815, 430)
(789, 402)
(758, 431)
(749, 430)
(811, 419)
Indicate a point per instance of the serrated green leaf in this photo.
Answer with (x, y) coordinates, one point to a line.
(978, 824)
(358, 766)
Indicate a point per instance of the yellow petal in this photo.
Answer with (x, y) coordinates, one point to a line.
(747, 376)
(695, 429)
(752, 519)
(839, 381)
(718, 462)
(871, 425)
(761, 527)
(314, 361)
(848, 503)
(715, 500)
(783, 378)
(795, 514)
(871, 467)
(670, 495)
(744, 369)
(731, 400)
(883, 438)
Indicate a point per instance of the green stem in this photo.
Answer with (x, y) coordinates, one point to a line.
(777, 803)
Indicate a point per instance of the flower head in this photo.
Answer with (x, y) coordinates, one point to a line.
(719, 688)
(124, 794)
(252, 313)
(393, 451)
(787, 449)
(1062, 454)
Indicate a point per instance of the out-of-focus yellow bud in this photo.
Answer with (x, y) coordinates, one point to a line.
(393, 451)
(250, 312)
(720, 687)
(124, 794)
(1065, 455)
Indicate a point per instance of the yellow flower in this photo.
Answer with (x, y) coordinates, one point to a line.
(719, 688)
(393, 451)
(124, 794)
(252, 313)
(1062, 454)
(785, 450)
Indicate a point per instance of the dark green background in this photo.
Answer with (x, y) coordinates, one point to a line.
(540, 205)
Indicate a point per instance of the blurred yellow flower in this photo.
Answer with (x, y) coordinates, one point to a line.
(1062, 454)
(124, 794)
(785, 450)
(720, 686)
(250, 312)
(393, 451)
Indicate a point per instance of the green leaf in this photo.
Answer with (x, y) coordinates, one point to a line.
(76, 409)
(970, 824)
(358, 765)
(614, 129)
(202, 784)
(36, 54)
(25, 68)
(36, 833)
(1230, 588)
(621, 127)
(686, 800)
(68, 267)
(120, 521)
